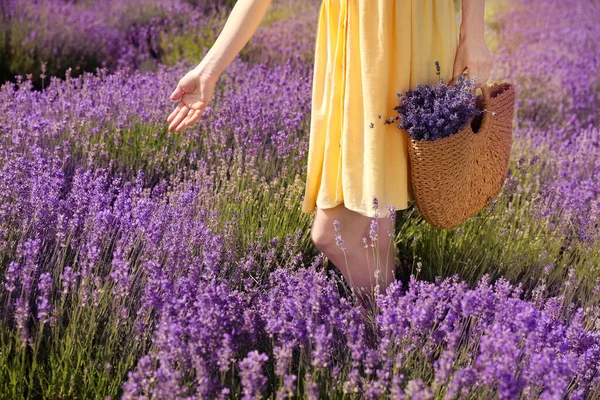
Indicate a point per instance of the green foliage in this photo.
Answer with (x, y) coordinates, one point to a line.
(257, 204)
(186, 46)
(88, 352)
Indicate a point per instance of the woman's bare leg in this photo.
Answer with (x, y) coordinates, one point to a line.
(358, 265)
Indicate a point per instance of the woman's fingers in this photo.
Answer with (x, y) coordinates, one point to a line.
(189, 119)
(182, 113)
(183, 123)
(175, 112)
(183, 116)
(192, 117)
(196, 116)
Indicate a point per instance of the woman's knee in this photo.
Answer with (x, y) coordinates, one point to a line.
(352, 228)
(321, 237)
(323, 233)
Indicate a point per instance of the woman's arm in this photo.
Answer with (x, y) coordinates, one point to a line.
(472, 22)
(243, 21)
(195, 89)
(472, 52)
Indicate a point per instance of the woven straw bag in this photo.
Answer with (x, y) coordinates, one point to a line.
(454, 177)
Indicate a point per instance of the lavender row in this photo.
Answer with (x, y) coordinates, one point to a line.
(46, 38)
(148, 266)
(258, 116)
(556, 74)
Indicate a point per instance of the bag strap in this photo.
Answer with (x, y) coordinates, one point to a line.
(485, 90)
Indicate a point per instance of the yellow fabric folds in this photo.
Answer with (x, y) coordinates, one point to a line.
(367, 51)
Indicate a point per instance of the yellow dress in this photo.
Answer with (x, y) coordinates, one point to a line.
(367, 51)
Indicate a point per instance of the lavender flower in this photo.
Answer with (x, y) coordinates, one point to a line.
(338, 237)
(12, 276)
(43, 301)
(253, 379)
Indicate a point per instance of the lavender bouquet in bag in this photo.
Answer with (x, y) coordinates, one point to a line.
(436, 111)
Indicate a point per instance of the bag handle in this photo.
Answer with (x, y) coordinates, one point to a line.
(485, 90)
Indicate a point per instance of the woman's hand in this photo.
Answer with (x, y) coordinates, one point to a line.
(473, 55)
(194, 91)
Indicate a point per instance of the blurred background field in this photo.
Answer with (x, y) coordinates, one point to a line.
(138, 262)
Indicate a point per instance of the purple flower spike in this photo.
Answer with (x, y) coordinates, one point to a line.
(253, 379)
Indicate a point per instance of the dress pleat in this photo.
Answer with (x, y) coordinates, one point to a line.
(367, 51)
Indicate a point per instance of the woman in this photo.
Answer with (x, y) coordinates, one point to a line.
(366, 52)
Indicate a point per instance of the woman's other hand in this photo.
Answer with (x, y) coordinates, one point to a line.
(472, 52)
(194, 91)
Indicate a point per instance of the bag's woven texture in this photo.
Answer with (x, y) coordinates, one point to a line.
(454, 177)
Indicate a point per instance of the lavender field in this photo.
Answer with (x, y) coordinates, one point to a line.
(139, 263)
